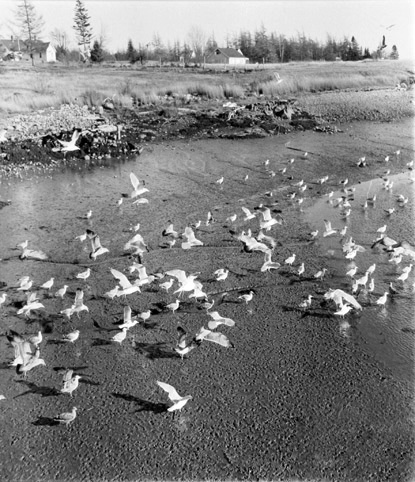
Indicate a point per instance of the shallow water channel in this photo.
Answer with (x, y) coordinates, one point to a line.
(389, 330)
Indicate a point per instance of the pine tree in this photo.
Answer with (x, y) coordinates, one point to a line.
(83, 30)
(29, 23)
(97, 52)
(394, 54)
(131, 52)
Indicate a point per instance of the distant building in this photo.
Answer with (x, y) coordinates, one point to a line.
(227, 56)
(17, 50)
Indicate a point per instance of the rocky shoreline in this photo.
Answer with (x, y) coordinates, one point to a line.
(33, 141)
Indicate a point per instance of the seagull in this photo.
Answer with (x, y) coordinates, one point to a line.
(301, 269)
(167, 285)
(329, 230)
(178, 401)
(173, 306)
(137, 244)
(219, 320)
(145, 315)
(79, 306)
(126, 285)
(128, 321)
(120, 336)
(339, 295)
(169, 231)
(382, 300)
(290, 260)
(84, 275)
(320, 274)
(61, 293)
(31, 253)
(221, 274)
(48, 284)
(97, 249)
(371, 269)
(66, 418)
(35, 340)
(3, 297)
(24, 359)
(71, 385)
(187, 282)
(213, 336)
(71, 337)
(71, 145)
(247, 297)
(268, 263)
(314, 234)
(343, 310)
(306, 303)
(183, 347)
(210, 219)
(220, 181)
(382, 230)
(32, 304)
(232, 218)
(190, 239)
(136, 185)
(248, 214)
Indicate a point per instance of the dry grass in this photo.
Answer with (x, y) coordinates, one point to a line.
(23, 89)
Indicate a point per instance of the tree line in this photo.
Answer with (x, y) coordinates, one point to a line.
(259, 46)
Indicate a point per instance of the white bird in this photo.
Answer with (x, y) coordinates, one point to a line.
(66, 418)
(169, 231)
(61, 293)
(339, 295)
(145, 315)
(306, 303)
(290, 260)
(190, 239)
(138, 190)
(248, 214)
(79, 306)
(220, 181)
(71, 337)
(120, 336)
(125, 283)
(85, 274)
(343, 310)
(173, 306)
(32, 304)
(129, 322)
(320, 274)
(48, 284)
(178, 401)
(382, 230)
(301, 269)
(232, 218)
(71, 385)
(187, 282)
(31, 253)
(219, 320)
(352, 271)
(247, 297)
(268, 263)
(382, 300)
(69, 146)
(213, 336)
(167, 285)
(36, 340)
(314, 234)
(221, 274)
(371, 269)
(97, 248)
(328, 229)
(3, 297)
(183, 346)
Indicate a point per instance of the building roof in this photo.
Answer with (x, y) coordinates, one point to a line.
(22, 45)
(229, 52)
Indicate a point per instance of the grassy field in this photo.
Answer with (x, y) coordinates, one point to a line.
(24, 89)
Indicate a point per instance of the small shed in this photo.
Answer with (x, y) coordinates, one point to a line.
(227, 56)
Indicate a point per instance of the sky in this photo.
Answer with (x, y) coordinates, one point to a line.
(120, 20)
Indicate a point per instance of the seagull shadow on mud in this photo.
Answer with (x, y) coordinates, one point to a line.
(153, 351)
(143, 405)
(38, 390)
(45, 421)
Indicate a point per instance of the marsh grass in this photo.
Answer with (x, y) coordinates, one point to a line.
(23, 89)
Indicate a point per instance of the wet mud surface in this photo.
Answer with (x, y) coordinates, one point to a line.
(291, 399)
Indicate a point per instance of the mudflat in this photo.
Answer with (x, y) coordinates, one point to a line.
(291, 399)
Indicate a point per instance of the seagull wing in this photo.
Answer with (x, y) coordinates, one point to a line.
(127, 314)
(349, 298)
(327, 224)
(218, 338)
(181, 342)
(171, 391)
(246, 211)
(134, 181)
(179, 274)
(267, 214)
(123, 280)
(67, 376)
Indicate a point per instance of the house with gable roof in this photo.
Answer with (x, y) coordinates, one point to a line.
(18, 50)
(227, 56)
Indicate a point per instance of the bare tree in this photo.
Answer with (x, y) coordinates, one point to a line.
(197, 40)
(60, 38)
(29, 23)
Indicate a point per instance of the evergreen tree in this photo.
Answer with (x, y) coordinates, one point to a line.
(97, 52)
(83, 30)
(30, 24)
(394, 54)
(131, 52)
